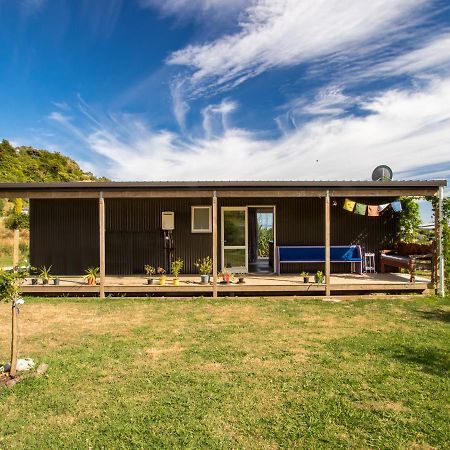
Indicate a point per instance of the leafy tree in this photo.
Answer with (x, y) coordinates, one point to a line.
(409, 222)
(24, 164)
(16, 219)
(445, 224)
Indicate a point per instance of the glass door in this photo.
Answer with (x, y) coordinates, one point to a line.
(234, 239)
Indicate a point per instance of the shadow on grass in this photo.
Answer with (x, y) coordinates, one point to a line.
(432, 361)
(441, 315)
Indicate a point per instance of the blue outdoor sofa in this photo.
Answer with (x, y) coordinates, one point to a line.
(287, 254)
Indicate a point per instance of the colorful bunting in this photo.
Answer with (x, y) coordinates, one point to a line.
(360, 209)
(371, 210)
(396, 206)
(349, 205)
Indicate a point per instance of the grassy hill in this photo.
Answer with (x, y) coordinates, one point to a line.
(30, 164)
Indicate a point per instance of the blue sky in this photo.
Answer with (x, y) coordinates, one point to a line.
(230, 89)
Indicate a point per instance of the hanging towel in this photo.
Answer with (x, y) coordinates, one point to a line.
(396, 206)
(360, 209)
(349, 205)
(372, 210)
(383, 207)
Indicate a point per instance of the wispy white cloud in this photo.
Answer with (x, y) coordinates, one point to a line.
(433, 56)
(407, 129)
(181, 7)
(281, 33)
(215, 118)
(179, 105)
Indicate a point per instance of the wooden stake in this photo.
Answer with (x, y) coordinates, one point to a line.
(101, 222)
(14, 310)
(16, 238)
(327, 245)
(214, 243)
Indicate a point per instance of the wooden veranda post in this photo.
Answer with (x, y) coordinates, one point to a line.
(214, 242)
(327, 245)
(439, 244)
(101, 222)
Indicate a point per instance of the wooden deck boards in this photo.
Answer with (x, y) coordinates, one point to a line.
(254, 284)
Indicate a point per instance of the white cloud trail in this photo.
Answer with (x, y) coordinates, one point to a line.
(406, 129)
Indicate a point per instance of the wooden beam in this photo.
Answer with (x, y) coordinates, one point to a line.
(101, 222)
(327, 246)
(227, 193)
(439, 244)
(214, 243)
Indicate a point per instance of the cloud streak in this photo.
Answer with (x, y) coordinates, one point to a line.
(283, 33)
(407, 129)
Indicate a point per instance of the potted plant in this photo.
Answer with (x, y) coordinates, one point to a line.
(204, 267)
(226, 276)
(305, 276)
(56, 281)
(149, 270)
(44, 274)
(33, 271)
(162, 275)
(241, 278)
(91, 275)
(318, 277)
(176, 267)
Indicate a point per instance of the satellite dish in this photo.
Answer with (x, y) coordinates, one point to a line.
(382, 173)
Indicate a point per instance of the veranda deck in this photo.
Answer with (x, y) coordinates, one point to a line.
(266, 284)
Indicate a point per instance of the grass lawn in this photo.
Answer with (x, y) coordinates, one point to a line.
(230, 373)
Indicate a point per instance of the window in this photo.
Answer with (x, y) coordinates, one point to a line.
(201, 219)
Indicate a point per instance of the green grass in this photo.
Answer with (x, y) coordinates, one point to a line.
(231, 373)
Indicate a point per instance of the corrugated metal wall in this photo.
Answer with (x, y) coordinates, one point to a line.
(64, 233)
(134, 236)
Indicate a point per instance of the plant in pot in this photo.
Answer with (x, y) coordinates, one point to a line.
(175, 268)
(149, 270)
(34, 272)
(162, 275)
(56, 281)
(44, 274)
(241, 278)
(305, 276)
(318, 277)
(226, 276)
(91, 275)
(204, 267)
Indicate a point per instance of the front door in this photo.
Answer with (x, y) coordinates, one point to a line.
(234, 239)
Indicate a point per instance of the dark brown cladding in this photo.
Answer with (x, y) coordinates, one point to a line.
(64, 233)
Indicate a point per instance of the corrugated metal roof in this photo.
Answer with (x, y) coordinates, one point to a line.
(245, 185)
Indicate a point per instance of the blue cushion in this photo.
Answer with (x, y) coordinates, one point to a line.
(317, 253)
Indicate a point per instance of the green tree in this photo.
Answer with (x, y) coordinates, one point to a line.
(409, 221)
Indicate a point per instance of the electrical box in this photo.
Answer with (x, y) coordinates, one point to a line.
(168, 220)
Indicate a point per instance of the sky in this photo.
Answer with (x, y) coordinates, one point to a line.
(230, 89)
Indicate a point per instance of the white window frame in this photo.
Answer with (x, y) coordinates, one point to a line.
(209, 207)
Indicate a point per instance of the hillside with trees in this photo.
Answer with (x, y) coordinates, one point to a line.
(31, 164)
(24, 164)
